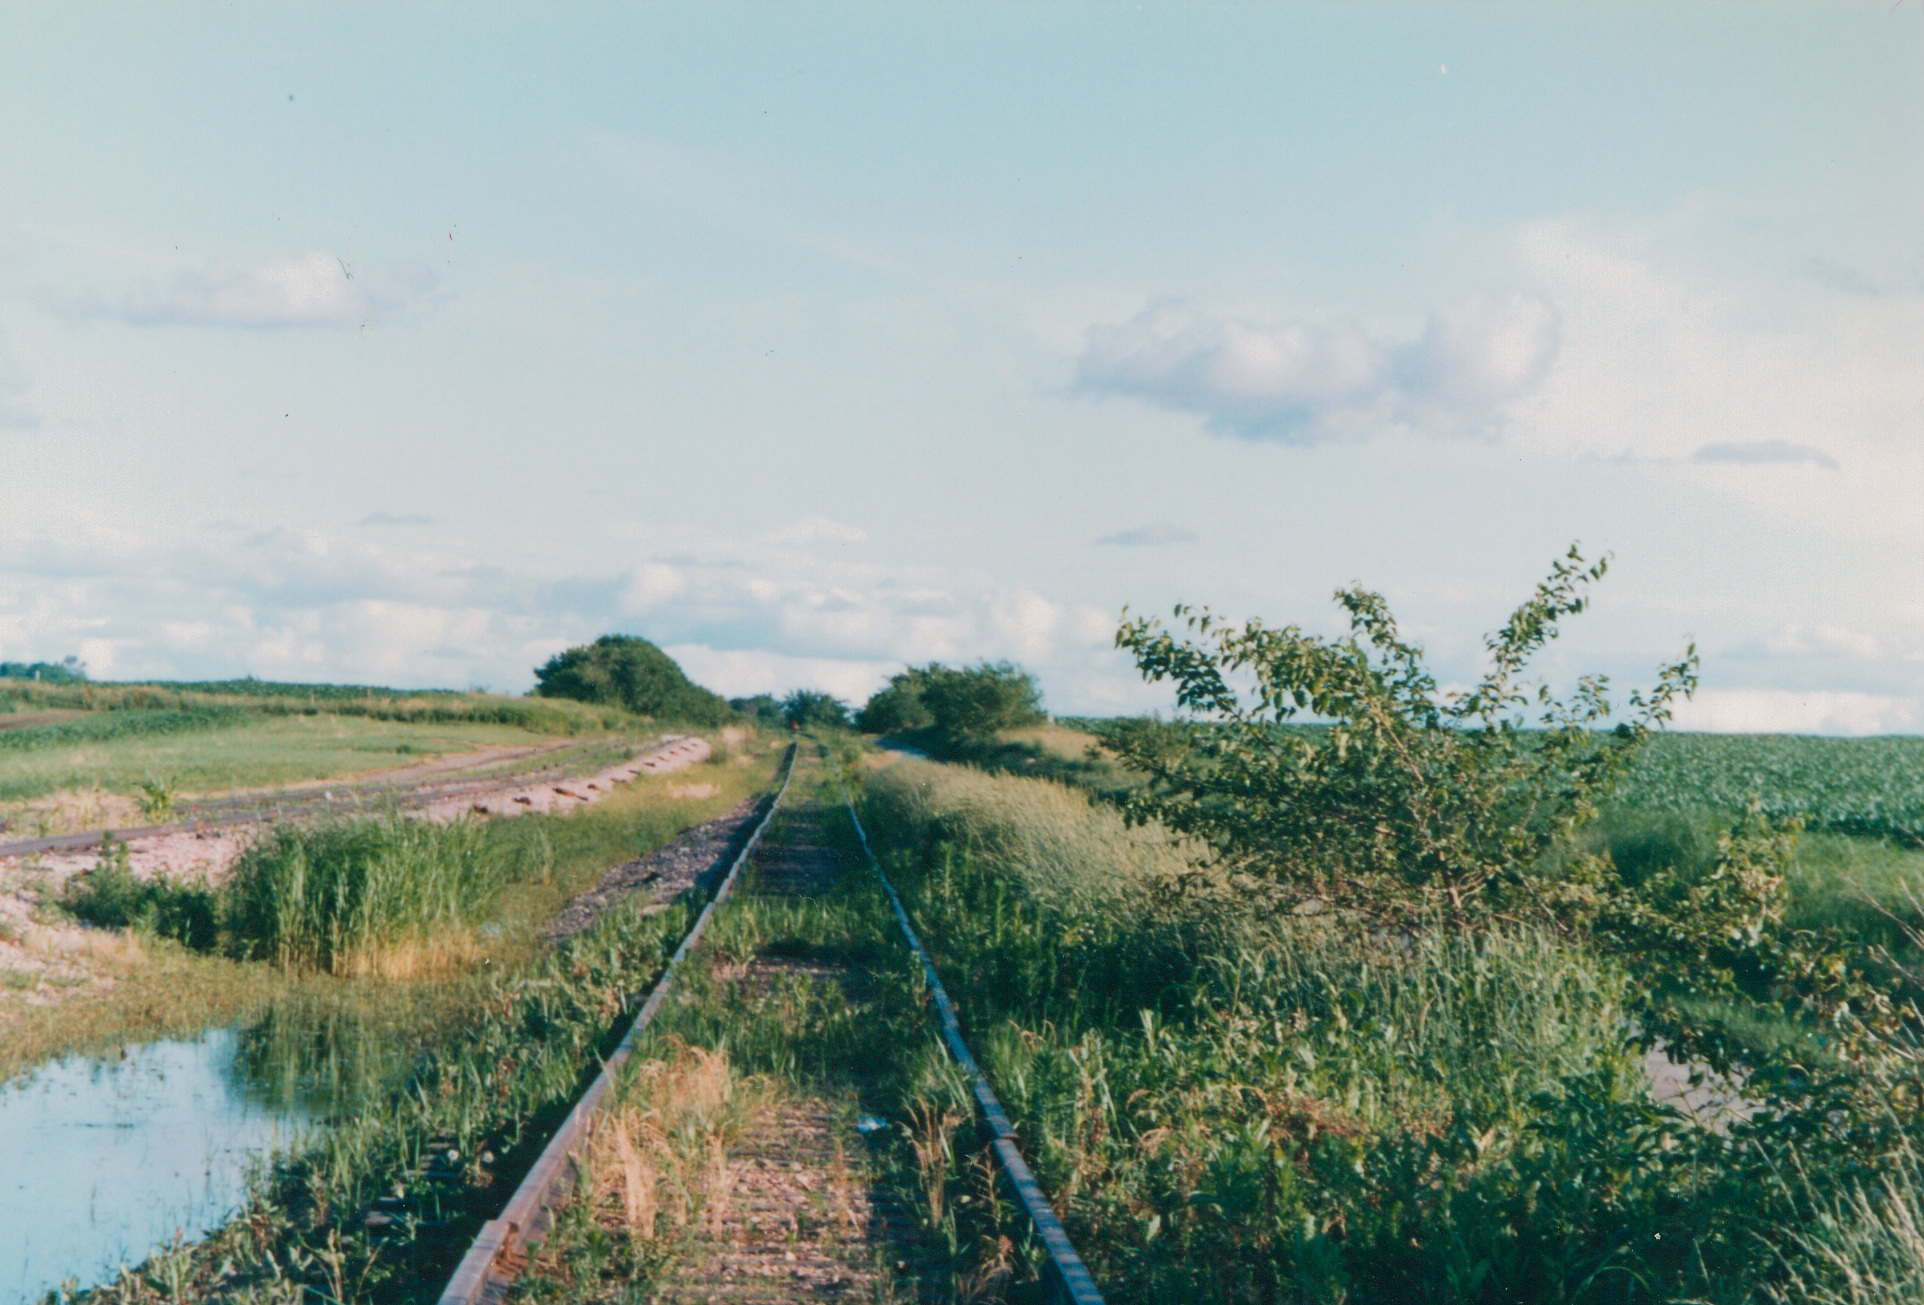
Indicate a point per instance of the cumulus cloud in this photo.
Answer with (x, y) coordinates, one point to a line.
(1308, 382)
(752, 614)
(316, 289)
(1758, 711)
(1149, 536)
(1765, 453)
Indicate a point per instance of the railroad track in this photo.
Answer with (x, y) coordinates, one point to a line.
(314, 801)
(794, 1219)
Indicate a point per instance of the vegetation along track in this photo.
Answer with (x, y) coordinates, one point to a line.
(782, 1123)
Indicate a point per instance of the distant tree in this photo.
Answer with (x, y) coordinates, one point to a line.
(69, 670)
(626, 671)
(898, 705)
(763, 708)
(973, 703)
(966, 704)
(805, 708)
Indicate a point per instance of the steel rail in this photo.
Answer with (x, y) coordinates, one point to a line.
(1068, 1278)
(529, 1212)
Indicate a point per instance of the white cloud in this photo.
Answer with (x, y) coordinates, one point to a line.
(319, 289)
(1788, 711)
(745, 672)
(1765, 453)
(307, 605)
(1312, 382)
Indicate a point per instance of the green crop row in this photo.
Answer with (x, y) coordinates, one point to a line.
(109, 726)
(1872, 787)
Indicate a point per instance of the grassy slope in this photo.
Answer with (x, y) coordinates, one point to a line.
(146, 988)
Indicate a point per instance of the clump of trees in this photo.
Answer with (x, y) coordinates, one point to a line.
(961, 704)
(69, 670)
(762, 708)
(809, 709)
(624, 670)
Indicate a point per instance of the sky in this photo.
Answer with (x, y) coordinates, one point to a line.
(411, 343)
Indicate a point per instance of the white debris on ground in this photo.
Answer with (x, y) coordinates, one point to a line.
(675, 754)
(1705, 1096)
(32, 950)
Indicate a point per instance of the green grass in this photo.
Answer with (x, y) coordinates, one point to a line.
(1227, 1105)
(144, 985)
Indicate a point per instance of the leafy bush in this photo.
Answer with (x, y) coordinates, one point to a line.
(808, 709)
(1414, 803)
(763, 708)
(629, 672)
(113, 898)
(897, 707)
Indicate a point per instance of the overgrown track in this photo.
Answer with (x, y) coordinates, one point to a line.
(408, 790)
(492, 1263)
(799, 1217)
(798, 1199)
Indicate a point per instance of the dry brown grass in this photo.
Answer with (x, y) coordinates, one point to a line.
(658, 1161)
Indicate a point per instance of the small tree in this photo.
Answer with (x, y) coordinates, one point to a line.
(1410, 802)
(625, 671)
(808, 709)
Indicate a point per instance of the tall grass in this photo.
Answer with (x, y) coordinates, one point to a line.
(366, 896)
(1232, 1106)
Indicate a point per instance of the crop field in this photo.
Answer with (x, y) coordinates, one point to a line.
(1870, 787)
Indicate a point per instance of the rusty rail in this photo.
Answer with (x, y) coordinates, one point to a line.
(529, 1212)
(1067, 1277)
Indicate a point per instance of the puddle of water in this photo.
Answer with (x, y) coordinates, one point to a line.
(103, 1159)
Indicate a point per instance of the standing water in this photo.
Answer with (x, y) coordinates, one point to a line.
(102, 1159)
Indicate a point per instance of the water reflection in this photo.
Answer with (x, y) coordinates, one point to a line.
(104, 1158)
(314, 1055)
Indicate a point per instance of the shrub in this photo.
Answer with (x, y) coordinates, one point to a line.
(898, 707)
(625, 671)
(113, 898)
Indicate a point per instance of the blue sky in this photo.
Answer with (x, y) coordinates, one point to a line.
(412, 343)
